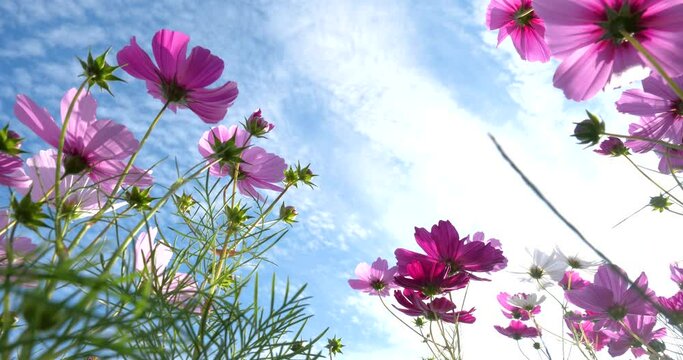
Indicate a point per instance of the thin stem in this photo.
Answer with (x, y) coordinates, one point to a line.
(59, 241)
(653, 61)
(520, 350)
(6, 314)
(651, 180)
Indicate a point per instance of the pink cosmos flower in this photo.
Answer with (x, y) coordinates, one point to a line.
(438, 308)
(613, 146)
(517, 330)
(375, 279)
(430, 278)
(80, 195)
(674, 307)
(517, 19)
(585, 35)
(180, 80)
(643, 327)
(12, 172)
(22, 247)
(660, 109)
(572, 281)
(258, 169)
(677, 274)
(670, 160)
(150, 255)
(180, 289)
(443, 245)
(586, 333)
(610, 298)
(95, 147)
(520, 306)
(256, 125)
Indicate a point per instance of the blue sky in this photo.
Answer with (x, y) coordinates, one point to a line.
(391, 102)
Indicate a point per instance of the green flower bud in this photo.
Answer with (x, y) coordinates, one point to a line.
(139, 199)
(334, 345)
(28, 213)
(589, 131)
(10, 142)
(98, 72)
(288, 214)
(660, 203)
(184, 202)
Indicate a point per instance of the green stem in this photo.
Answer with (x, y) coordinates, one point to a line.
(653, 61)
(651, 180)
(59, 236)
(6, 315)
(95, 218)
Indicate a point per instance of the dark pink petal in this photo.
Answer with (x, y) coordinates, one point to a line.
(211, 105)
(12, 173)
(591, 298)
(499, 13)
(200, 70)
(37, 119)
(170, 48)
(423, 238)
(529, 42)
(137, 63)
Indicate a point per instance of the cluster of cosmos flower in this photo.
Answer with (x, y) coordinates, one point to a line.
(608, 312)
(609, 44)
(422, 283)
(92, 157)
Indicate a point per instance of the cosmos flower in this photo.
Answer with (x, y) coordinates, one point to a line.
(438, 308)
(586, 333)
(178, 79)
(643, 328)
(677, 274)
(95, 147)
(572, 281)
(545, 269)
(674, 307)
(610, 298)
(444, 245)
(257, 169)
(520, 306)
(22, 248)
(517, 330)
(613, 146)
(12, 172)
(660, 109)
(586, 36)
(375, 279)
(430, 278)
(517, 19)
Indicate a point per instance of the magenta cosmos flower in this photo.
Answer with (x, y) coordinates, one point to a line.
(438, 308)
(180, 80)
(375, 279)
(586, 36)
(613, 146)
(520, 306)
(660, 109)
(677, 274)
(586, 333)
(643, 328)
(12, 172)
(517, 19)
(517, 330)
(95, 147)
(674, 307)
(443, 245)
(572, 281)
(610, 298)
(257, 169)
(430, 278)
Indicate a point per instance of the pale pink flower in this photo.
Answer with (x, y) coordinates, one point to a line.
(150, 255)
(178, 79)
(95, 147)
(516, 18)
(661, 113)
(585, 35)
(375, 279)
(520, 306)
(257, 169)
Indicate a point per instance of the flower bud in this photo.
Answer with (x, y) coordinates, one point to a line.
(288, 214)
(334, 345)
(28, 213)
(256, 125)
(612, 146)
(98, 72)
(10, 142)
(237, 216)
(139, 199)
(589, 131)
(660, 203)
(184, 202)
